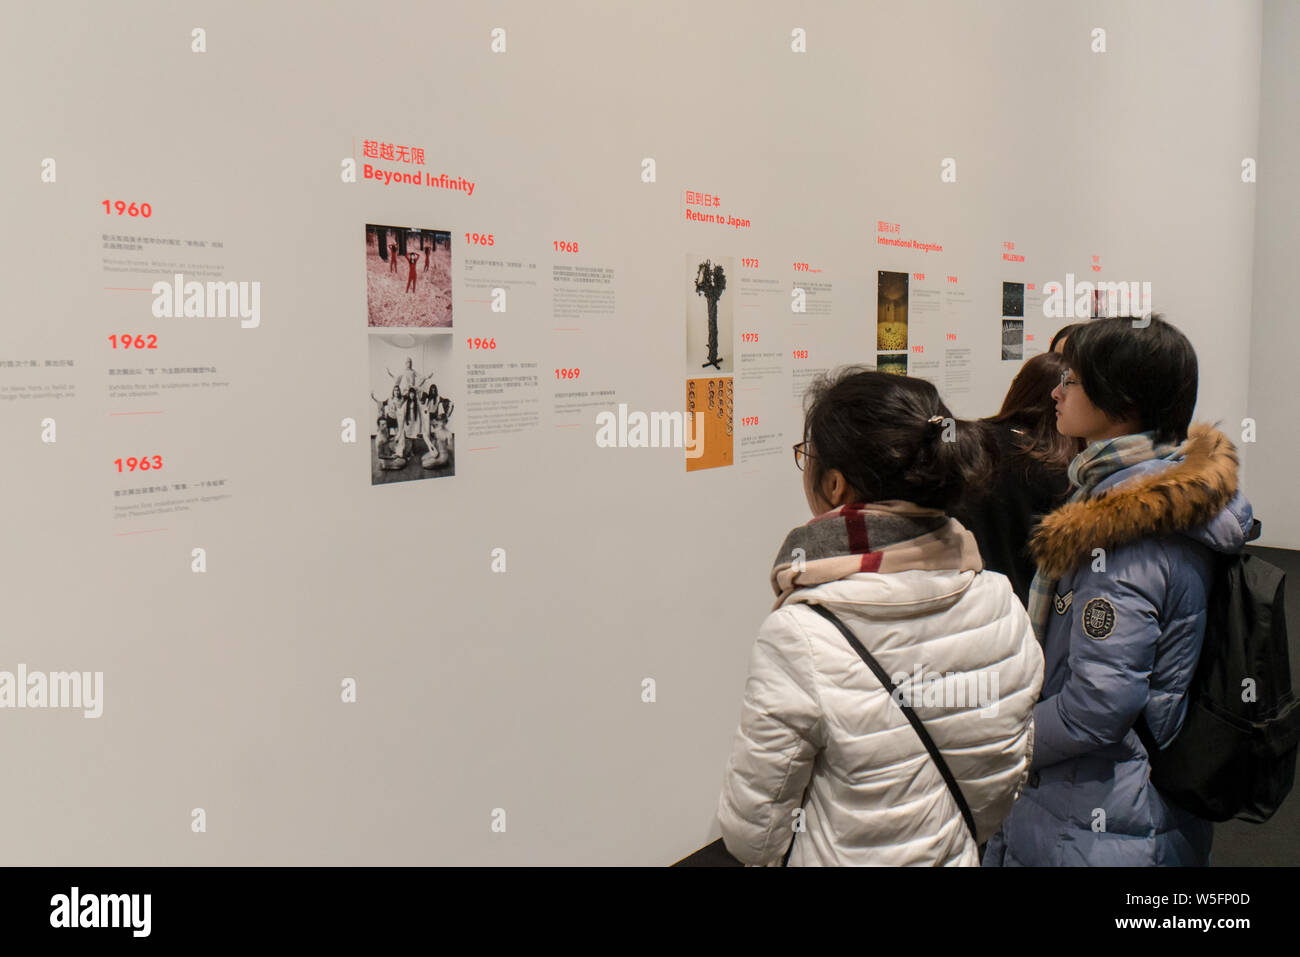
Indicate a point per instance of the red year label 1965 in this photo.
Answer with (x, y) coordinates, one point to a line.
(482, 343)
(480, 239)
(127, 341)
(144, 463)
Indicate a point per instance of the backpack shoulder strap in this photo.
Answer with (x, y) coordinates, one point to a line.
(911, 715)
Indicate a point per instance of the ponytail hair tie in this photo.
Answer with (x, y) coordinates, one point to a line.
(935, 420)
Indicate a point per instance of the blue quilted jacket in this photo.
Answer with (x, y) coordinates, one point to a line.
(1125, 633)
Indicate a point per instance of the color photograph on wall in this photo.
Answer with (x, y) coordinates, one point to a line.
(895, 363)
(891, 312)
(408, 277)
(710, 423)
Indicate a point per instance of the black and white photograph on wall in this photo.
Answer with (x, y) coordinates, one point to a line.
(408, 277)
(1013, 338)
(891, 311)
(895, 363)
(1099, 304)
(411, 437)
(1013, 299)
(708, 315)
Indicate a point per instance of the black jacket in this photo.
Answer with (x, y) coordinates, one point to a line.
(1022, 491)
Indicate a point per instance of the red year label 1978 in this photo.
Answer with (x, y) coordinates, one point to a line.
(749, 420)
(144, 463)
(127, 341)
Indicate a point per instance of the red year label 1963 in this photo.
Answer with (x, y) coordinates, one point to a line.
(480, 239)
(127, 209)
(482, 343)
(144, 463)
(567, 373)
(127, 341)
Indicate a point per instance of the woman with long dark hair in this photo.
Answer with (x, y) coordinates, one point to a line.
(1029, 478)
(825, 754)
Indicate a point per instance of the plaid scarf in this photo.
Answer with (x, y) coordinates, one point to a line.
(888, 536)
(1098, 461)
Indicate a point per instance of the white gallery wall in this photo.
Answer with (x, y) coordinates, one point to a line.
(481, 690)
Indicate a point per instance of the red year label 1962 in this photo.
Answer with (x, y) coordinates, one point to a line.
(127, 341)
(144, 463)
(482, 343)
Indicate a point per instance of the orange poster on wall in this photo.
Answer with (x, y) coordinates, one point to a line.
(712, 425)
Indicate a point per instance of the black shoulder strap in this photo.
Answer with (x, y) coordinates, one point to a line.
(911, 715)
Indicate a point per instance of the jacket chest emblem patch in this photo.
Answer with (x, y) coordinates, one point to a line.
(1063, 602)
(1098, 619)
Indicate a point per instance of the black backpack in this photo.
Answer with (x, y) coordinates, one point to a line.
(1235, 758)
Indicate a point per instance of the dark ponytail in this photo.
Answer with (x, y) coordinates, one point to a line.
(893, 438)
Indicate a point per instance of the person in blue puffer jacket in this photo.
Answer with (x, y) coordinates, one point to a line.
(1124, 575)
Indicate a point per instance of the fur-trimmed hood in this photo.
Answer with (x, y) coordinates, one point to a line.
(1196, 495)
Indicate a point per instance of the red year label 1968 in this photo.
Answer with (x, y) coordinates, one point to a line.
(562, 247)
(144, 463)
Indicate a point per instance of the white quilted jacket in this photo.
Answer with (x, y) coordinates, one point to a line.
(815, 719)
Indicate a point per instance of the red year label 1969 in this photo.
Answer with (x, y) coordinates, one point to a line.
(567, 373)
(127, 209)
(144, 463)
(482, 343)
(127, 341)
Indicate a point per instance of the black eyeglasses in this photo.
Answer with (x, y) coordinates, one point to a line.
(800, 454)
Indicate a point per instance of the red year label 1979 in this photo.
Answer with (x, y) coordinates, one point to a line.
(144, 463)
(127, 341)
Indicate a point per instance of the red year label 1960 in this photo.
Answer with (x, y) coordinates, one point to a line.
(127, 209)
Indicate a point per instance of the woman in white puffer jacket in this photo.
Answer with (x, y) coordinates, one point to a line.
(823, 754)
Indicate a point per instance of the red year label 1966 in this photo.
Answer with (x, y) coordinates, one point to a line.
(482, 343)
(144, 463)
